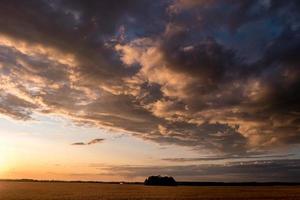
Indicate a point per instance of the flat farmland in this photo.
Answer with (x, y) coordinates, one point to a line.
(99, 191)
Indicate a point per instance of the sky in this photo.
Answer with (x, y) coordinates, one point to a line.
(201, 90)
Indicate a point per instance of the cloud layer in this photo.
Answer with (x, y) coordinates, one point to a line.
(262, 171)
(218, 76)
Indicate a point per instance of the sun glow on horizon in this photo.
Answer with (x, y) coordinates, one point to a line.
(4, 164)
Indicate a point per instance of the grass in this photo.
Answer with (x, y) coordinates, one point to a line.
(97, 191)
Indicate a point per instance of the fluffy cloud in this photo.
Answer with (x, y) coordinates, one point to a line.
(198, 75)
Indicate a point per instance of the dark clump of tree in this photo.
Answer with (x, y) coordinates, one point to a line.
(160, 180)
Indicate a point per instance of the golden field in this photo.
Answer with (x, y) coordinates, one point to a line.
(99, 191)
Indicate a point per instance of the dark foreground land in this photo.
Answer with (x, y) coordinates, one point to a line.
(98, 191)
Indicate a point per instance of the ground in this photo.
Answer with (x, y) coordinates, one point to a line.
(97, 191)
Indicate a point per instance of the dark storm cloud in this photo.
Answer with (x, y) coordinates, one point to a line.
(220, 76)
(208, 61)
(78, 27)
(262, 170)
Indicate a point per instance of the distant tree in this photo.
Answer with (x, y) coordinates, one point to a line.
(160, 180)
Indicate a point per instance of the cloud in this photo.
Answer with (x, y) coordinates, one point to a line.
(181, 5)
(257, 170)
(227, 157)
(79, 143)
(211, 82)
(189, 73)
(94, 141)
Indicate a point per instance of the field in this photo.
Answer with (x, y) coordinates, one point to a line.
(96, 191)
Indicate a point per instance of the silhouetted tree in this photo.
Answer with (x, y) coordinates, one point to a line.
(160, 180)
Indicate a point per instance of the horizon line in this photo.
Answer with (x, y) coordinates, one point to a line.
(180, 183)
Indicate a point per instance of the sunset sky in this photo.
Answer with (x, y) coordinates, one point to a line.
(110, 90)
